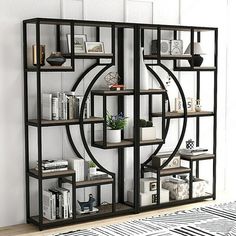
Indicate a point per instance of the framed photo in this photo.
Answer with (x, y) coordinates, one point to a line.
(94, 47)
(179, 105)
(176, 47)
(79, 43)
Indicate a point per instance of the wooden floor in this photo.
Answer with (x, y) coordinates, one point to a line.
(30, 230)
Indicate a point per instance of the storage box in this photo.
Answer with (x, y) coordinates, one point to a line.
(149, 198)
(160, 159)
(180, 191)
(147, 133)
(148, 185)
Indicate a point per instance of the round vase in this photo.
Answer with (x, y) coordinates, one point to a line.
(56, 59)
(113, 135)
(143, 72)
(93, 170)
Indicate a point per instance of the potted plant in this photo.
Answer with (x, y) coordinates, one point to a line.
(147, 130)
(92, 168)
(115, 123)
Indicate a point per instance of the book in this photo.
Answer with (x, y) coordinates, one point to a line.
(69, 188)
(56, 207)
(98, 175)
(54, 163)
(64, 201)
(78, 165)
(46, 106)
(55, 109)
(193, 152)
(52, 170)
(48, 204)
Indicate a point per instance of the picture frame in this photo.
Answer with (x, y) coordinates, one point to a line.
(176, 47)
(94, 47)
(189, 102)
(79, 43)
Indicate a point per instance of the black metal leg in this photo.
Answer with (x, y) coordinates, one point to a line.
(191, 180)
(74, 196)
(98, 195)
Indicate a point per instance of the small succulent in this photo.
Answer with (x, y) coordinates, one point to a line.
(92, 164)
(149, 124)
(144, 123)
(116, 121)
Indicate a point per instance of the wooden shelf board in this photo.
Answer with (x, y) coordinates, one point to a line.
(126, 143)
(55, 174)
(90, 120)
(50, 68)
(205, 156)
(107, 92)
(88, 183)
(201, 68)
(89, 55)
(167, 57)
(46, 221)
(181, 114)
(169, 171)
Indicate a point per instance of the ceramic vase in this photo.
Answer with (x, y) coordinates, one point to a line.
(56, 59)
(113, 135)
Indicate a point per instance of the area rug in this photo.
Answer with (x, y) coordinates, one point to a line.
(205, 221)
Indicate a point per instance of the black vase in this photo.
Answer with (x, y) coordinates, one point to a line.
(56, 59)
(197, 60)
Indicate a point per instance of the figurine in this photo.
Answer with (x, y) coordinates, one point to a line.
(190, 144)
(88, 204)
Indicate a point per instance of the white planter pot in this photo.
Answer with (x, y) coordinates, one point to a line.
(113, 135)
(93, 170)
(147, 133)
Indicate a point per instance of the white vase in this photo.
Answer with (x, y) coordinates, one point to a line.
(144, 76)
(113, 135)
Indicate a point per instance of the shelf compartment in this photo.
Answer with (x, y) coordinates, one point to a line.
(89, 55)
(174, 115)
(50, 68)
(45, 123)
(205, 156)
(126, 92)
(201, 68)
(56, 174)
(167, 57)
(169, 171)
(89, 183)
(126, 143)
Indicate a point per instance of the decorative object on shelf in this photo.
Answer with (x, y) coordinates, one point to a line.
(176, 47)
(198, 106)
(88, 204)
(94, 47)
(197, 59)
(92, 168)
(144, 76)
(112, 79)
(189, 103)
(147, 130)
(164, 49)
(42, 55)
(189, 144)
(79, 43)
(159, 160)
(56, 59)
(116, 123)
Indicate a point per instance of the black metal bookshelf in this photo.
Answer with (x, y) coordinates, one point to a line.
(118, 205)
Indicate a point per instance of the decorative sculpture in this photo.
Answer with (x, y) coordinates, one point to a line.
(88, 204)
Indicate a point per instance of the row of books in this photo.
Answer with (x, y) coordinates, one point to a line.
(63, 106)
(57, 202)
(53, 165)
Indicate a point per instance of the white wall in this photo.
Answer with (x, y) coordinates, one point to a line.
(12, 191)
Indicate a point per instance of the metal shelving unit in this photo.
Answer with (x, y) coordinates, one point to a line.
(119, 206)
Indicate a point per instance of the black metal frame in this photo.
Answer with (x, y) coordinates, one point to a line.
(117, 31)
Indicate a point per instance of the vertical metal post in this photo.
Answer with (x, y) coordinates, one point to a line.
(113, 49)
(98, 195)
(114, 194)
(39, 127)
(58, 44)
(158, 45)
(121, 174)
(163, 116)
(25, 121)
(215, 113)
(136, 117)
(72, 28)
(192, 46)
(98, 38)
(197, 118)
(158, 187)
(104, 99)
(74, 196)
(175, 38)
(150, 107)
(92, 114)
(191, 180)
(142, 38)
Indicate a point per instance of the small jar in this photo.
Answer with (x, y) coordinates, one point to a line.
(198, 106)
(56, 59)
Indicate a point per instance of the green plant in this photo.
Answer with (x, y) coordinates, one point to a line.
(116, 121)
(144, 123)
(92, 164)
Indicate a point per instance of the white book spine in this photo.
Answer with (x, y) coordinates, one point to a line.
(47, 205)
(60, 206)
(53, 206)
(87, 108)
(55, 108)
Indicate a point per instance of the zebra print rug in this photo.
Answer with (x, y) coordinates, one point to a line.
(205, 221)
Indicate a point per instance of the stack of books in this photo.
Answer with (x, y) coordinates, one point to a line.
(57, 203)
(98, 175)
(63, 106)
(193, 152)
(53, 165)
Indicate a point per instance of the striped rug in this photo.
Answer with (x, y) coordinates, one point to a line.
(205, 221)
